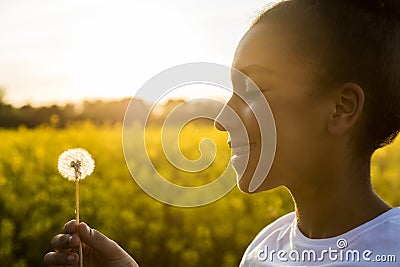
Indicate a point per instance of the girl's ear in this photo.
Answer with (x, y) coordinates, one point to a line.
(348, 106)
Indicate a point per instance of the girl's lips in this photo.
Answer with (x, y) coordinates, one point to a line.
(240, 149)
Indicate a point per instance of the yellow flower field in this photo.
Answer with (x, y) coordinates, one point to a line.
(35, 201)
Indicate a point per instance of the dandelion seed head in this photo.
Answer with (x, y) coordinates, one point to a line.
(75, 163)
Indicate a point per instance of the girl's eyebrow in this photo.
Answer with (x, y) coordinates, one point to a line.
(252, 68)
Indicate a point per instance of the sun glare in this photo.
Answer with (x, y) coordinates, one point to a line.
(63, 51)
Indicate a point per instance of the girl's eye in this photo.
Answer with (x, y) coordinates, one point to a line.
(252, 89)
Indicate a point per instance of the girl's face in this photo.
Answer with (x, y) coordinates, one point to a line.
(264, 55)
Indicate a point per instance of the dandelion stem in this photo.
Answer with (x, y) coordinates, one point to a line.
(80, 255)
(77, 201)
(77, 212)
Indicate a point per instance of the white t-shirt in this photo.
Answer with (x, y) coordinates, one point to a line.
(375, 243)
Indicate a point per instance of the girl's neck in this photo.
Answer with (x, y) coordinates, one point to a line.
(335, 203)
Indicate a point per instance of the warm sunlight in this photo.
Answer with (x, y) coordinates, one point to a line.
(62, 51)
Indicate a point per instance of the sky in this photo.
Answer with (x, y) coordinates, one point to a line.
(60, 51)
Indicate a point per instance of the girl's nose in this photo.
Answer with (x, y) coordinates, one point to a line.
(227, 119)
(223, 118)
(219, 126)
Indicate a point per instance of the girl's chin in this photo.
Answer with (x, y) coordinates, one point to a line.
(244, 165)
(244, 187)
(240, 164)
(243, 183)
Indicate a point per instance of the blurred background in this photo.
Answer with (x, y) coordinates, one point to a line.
(68, 70)
(62, 51)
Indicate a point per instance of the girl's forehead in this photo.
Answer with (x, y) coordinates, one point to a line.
(262, 45)
(268, 50)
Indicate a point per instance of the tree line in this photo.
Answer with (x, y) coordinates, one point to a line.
(100, 112)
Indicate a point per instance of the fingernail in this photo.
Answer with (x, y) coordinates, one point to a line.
(87, 228)
(71, 258)
(83, 229)
(70, 240)
(90, 230)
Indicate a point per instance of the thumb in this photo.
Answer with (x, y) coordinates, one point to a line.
(104, 247)
(96, 240)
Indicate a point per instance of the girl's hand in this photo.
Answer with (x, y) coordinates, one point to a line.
(98, 250)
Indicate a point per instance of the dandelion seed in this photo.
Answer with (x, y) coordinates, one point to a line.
(75, 164)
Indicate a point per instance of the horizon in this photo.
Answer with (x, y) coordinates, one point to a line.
(80, 102)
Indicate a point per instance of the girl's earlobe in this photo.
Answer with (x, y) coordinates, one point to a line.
(348, 108)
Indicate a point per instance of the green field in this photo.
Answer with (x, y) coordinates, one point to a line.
(35, 201)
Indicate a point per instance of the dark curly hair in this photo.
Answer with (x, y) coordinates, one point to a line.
(351, 41)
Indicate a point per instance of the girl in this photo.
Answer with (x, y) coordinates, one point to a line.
(330, 70)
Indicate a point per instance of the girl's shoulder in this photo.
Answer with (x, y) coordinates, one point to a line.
(383, 231)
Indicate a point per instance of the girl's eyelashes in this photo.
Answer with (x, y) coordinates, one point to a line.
(251, 86)
(252, 89)
(239, 88)
(246, 89)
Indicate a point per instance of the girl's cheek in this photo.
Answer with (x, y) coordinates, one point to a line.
(266, 145)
